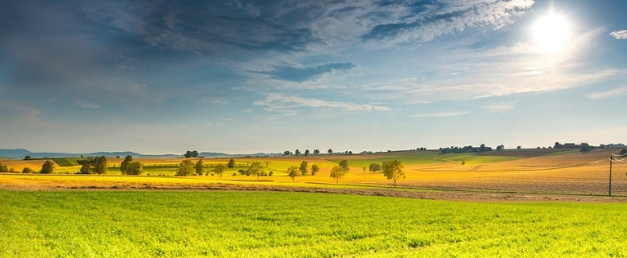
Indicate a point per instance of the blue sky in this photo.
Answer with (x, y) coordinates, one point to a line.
(268, 76)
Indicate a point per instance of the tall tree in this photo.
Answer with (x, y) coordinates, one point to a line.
(303, 168)
(185, 168)
(188, 154)
(255, 169)
(393, 170)
(292, 172)
(219, 169)
(47, 167)
(344, 165)
(231, 163)
(297, 152)
(314, 169)
(124, 166)
(316, 151)
(286, 153)
(195, 154)
(306, 152)
(100, 165)
(338, 172)
(330, 151)
(86, 165)
(200, 167)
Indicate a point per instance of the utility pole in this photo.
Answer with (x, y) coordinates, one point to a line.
(610, 187)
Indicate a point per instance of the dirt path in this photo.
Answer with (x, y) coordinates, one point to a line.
(433, 194)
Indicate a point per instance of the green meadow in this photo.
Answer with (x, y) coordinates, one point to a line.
(270, 224)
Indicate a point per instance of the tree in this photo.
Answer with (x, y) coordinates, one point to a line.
(200, 168)
(292, 172)
(185, 168)
(557, 145)
(219, 169)
(100, 165)
(3, 168)
(297, 152)
(194, 154)
(316, 151)
(303, 168)
(306, 152)
(374, 167)
(500, 147)
(338, 172)
(86, 165)
(255, 169)
(518, 147)
(393, 170)
(188, 154)
(286, 153)
(314, 169)
(47, 167)
(135, 168)
(124, 166)
(27, 157)
(231, 163)
(27, 170)
(344, 165)
(330, 151)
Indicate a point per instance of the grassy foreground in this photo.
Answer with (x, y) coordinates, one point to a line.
(268, 224)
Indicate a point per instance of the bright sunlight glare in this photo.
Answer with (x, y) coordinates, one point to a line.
(552, 33)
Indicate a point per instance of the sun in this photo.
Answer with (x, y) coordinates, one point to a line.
(552, 33)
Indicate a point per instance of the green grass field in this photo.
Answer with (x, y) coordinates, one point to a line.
(268, 224)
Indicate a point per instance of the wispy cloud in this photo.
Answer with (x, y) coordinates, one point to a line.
(619, 34)
(622, 91)
(303, 73)
(293, 104)
(441, 18)
(87, 105)
(501, 107)
(439, 115)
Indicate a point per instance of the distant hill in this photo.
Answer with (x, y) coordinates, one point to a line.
(21, 153)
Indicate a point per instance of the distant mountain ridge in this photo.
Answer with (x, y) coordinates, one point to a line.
(21, 153)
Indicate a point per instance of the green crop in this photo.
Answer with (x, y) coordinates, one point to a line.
(270, 224)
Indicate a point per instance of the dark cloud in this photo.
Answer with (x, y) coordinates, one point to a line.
(304, 73)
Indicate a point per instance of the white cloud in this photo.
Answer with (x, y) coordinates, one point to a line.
(438, 115)
(87, 105)
(289, 105)
(501, 107)
(619, 34)
(622, 91)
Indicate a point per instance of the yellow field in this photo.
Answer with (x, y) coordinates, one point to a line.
(552, 172)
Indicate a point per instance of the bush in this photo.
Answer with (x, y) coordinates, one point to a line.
(3, 168)
(27, 171)
(135, 168)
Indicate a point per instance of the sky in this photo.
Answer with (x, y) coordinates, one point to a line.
(268, 76)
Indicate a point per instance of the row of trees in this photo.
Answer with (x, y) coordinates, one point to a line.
(303, 170)
(315, 152)
(465, 149)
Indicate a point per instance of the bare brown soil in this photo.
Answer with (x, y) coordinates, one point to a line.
(479, 195)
